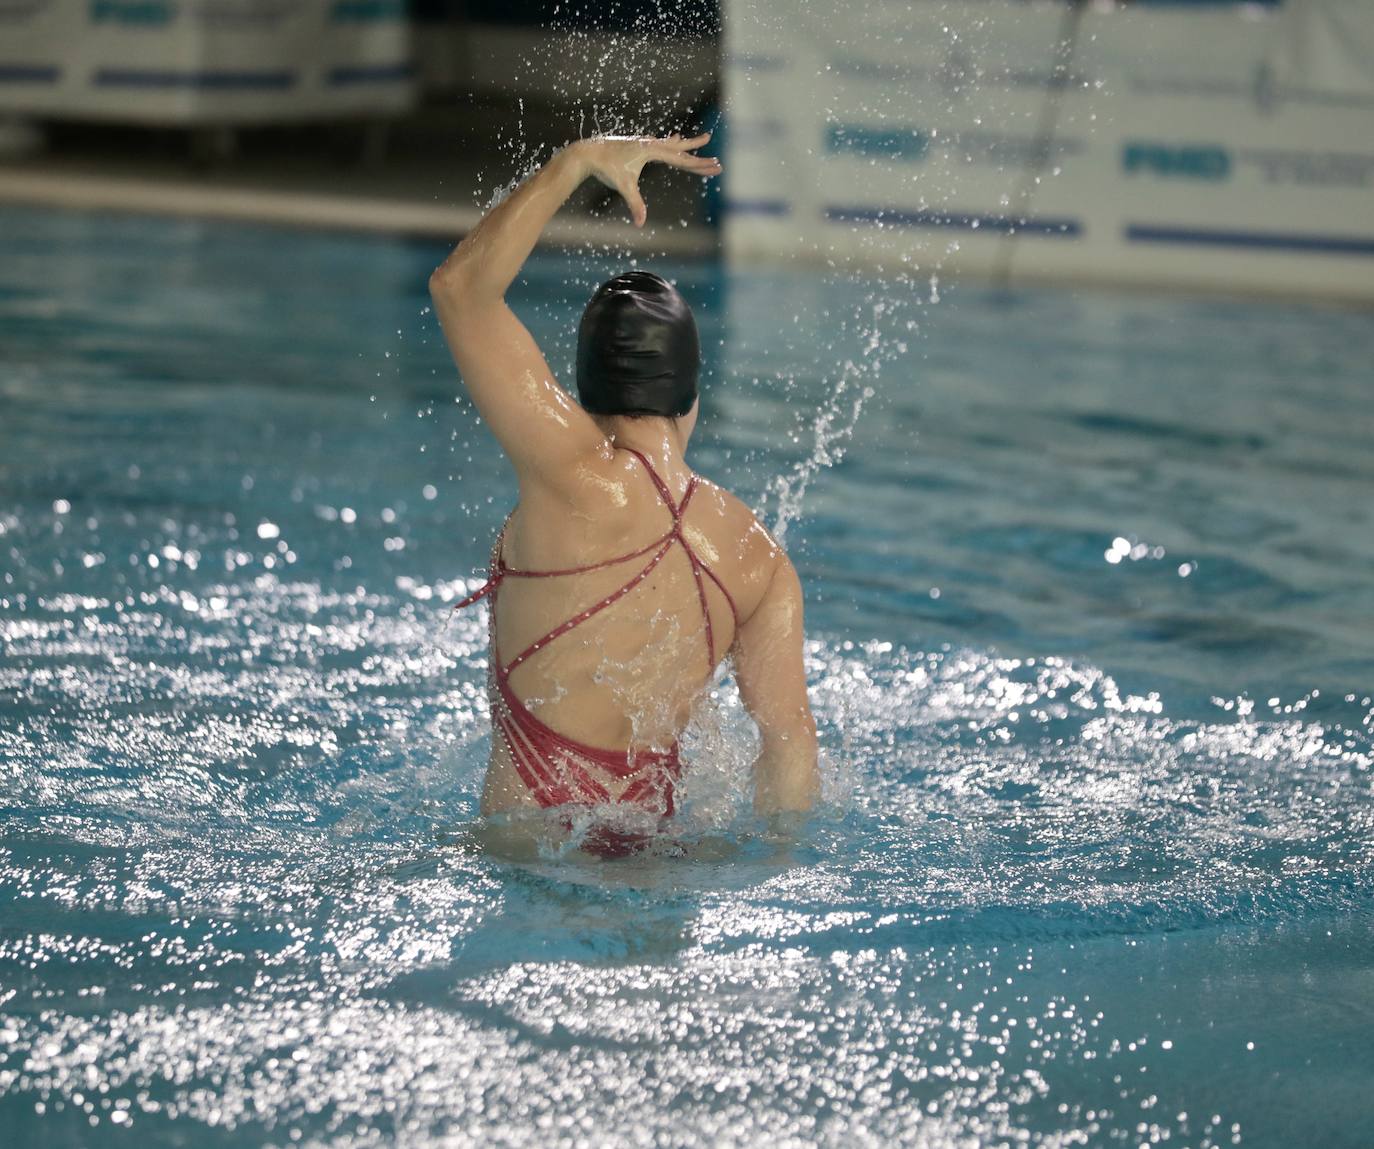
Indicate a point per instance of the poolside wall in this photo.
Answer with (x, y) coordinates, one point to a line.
(207, 62)
(1224, 145)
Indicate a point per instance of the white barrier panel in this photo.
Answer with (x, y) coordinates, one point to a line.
(204, 61)
(1224, 146)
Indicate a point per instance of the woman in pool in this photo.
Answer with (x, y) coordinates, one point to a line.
(621, 578)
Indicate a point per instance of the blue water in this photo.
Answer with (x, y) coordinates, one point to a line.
(1091, 641)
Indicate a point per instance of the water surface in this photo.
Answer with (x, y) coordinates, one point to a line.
(1090, 641)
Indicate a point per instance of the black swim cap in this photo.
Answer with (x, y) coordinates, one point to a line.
(637, 349)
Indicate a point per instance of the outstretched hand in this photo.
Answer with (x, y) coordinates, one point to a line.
(617, 161)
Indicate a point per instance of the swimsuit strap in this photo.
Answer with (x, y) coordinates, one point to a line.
(660, 546)
(500, 571)
(666, 495)
(699, 566)
(582, 616)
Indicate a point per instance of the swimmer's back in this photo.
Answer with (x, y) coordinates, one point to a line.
(629, 675)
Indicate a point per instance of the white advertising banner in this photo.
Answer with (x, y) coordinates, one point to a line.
(228, 62)
(1225, 146)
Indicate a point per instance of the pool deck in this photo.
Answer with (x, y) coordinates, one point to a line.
(317, 209)
(430, 178)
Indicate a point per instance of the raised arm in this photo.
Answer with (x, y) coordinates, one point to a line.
(772, 685)
(543, 430)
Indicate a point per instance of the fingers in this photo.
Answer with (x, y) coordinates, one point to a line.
(698, 165)
(672, 150)
(683, 145)
(635, 202)
(678, 154)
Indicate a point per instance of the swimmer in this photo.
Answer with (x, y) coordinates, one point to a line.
(621, 579)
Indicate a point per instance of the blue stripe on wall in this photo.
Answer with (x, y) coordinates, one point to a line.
(276, 80)
(367, 11)
(868, 140)
(1057, 228)
(776, 207)
(132, 13)
(29, 74)
(1254, 240)
(372, 74)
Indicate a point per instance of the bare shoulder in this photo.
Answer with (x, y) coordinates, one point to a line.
(732, 512)
(743, 544)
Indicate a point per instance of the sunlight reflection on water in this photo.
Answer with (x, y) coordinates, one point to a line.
(1096, 864)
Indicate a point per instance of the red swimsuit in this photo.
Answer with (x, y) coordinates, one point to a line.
(560, 770)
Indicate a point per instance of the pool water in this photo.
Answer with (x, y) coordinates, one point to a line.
(1091, 642)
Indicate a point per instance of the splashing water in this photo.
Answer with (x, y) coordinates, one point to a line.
(1095, 865)
(834, 422)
